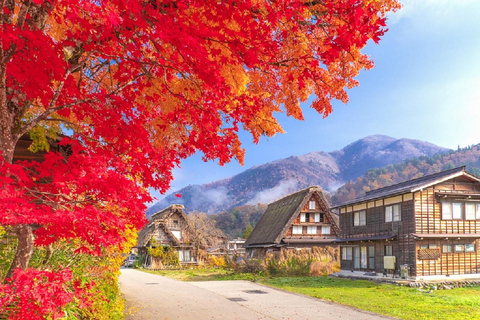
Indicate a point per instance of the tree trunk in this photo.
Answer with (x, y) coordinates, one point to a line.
(24, 248)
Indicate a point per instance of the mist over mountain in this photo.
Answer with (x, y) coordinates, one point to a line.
(270, 181)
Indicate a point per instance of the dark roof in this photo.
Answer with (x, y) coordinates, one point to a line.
(410, 185)
(165, 213)
(280, 215)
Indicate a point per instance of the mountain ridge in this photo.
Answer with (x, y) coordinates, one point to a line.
(267, 182)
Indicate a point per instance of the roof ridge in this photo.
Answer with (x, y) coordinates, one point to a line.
(418, 179)
(310, 189)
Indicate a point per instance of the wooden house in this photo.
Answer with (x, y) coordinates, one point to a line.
(299, 220)
(22, 153)
(168, 227)
(429, 228)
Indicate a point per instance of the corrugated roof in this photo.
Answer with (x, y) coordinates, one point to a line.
(409, 185)
(279, 215)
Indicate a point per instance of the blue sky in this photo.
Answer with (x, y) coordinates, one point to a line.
(425, 86)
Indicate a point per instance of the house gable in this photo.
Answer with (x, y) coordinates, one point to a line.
(168, 227)
(312, 216)
(277, 221)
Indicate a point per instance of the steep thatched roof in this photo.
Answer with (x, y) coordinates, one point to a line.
(159, 219)
(280, 215)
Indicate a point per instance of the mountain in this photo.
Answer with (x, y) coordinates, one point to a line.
(407, 170)
(271, 181)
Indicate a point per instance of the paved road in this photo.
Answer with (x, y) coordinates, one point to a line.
(151, 296)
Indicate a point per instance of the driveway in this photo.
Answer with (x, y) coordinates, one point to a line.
(150, 296)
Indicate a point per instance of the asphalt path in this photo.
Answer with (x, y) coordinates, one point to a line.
(150, 296)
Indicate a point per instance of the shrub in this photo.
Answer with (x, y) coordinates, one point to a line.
(314, 261)
(164, 255)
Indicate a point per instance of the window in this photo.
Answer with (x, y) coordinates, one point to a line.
(302, 217)
(312, 230)
(325, 229)
(297, 230)
(312, 205)
(177, 234)
(470, 247)
(317, 217)
(371, 257)
(359, 218)
(393, 213)
(447, 248)
(477, 212)
(446, 211)
(428, 246)
(459, 248)
(347, 253)
(457, 210)
(452, 210)
(469, 211)
(363, 258)
(184, 256)
(389, 250)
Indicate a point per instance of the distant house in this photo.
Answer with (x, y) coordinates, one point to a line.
(236, 246)
(428, 227)
(168, 227)
(299, 220)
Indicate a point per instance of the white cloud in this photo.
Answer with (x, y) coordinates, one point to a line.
(275, 193)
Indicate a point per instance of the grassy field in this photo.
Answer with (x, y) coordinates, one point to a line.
(391, 300)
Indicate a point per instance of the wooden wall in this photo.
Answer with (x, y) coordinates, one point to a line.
(428, 220)
(428, 214)
(403, 247)
(321, 209)
(449, 263)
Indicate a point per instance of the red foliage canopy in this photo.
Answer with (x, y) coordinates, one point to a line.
(139, 85)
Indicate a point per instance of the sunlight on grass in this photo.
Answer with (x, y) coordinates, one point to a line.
(391, 300)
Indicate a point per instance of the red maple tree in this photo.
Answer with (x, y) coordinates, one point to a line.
(135, 86)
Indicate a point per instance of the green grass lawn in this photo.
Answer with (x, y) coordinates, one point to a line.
(387, 299)
(391, 300)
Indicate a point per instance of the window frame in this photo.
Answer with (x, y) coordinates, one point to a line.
(393, 213)
(296, 227)
(329, 229)
(470, 215)
(388, 249)
(347, 253)
(310, 229)
(360, 214)
(449, 248)
(303, 217)
(174, 232)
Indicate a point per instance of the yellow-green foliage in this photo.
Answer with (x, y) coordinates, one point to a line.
(98, 273)
(216, 261)
(165, 254)
(315, 261)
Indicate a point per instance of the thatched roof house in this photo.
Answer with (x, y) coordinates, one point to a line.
(299, 220)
